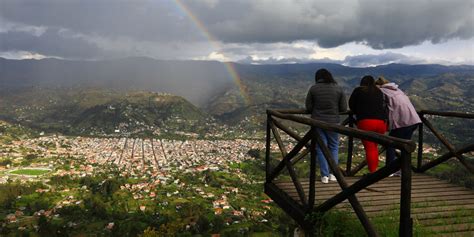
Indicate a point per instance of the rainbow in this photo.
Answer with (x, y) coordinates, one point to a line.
(228, 65)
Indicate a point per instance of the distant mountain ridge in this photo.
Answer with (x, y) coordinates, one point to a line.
(194, 80)
(197, 81)
(37, 90)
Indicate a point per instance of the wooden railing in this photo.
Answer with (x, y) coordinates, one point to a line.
(309, 142)
(452, 151)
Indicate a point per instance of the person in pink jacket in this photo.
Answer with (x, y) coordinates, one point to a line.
(402, 116)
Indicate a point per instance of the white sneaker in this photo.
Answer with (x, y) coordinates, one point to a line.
(332, 177)
(325, 179)
(396, 174)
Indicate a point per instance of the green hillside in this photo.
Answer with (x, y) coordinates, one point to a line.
(57, 104)
(443, 92)
(11, 132)
(96, 112)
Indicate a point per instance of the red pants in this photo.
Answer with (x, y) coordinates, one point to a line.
(371, 149)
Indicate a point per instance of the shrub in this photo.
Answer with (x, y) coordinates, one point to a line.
(5, 162)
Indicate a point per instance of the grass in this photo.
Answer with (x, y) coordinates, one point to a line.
(454, 172)
(34, 172)
(344, 223)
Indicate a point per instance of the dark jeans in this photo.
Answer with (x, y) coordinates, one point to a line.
(404, 133)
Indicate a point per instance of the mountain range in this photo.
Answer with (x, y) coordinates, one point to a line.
(81, 94)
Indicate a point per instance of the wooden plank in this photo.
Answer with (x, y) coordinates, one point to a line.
(456, 234)
(366, 195)
(390, 202)
(389, 181)
(433, 201)
(383, 185)
(368, 201)
(454, 228)
(445, 214)
(379, 189)
(375, 190)
(428, 209)
(446, 221)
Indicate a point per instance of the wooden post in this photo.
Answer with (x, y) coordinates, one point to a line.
(364, 219)
(350, 147)
(406, 223)
(312, 174)
(267, 149)
(289, 165)
(445, 157)
(300, 156)
(448, 145)
(420, 145)
(358, 168)
(288, 131)
(296, 149)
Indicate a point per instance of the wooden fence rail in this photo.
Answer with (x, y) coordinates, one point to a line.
(452, 151)
(307, 144)
(307, 200)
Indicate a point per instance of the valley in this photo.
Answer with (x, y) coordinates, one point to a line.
(84, 151)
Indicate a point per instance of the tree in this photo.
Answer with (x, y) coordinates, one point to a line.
(255, 153)
(45, 228)
(150, 232)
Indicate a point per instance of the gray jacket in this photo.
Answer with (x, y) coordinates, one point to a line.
(325, 101)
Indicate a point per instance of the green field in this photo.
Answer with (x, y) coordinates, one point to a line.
(29, 171)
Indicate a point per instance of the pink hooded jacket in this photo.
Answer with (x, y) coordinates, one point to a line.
(401, 110)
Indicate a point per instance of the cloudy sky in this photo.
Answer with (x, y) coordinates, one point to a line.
(352, 32)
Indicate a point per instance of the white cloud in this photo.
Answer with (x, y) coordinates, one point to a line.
(21, 55)
(215, 56)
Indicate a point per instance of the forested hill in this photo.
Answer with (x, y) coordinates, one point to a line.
(210, 87)
(197, 81)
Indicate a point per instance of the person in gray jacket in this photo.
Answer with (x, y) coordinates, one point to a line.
(325, 100)
(402, 116)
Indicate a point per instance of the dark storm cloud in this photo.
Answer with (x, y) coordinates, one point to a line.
(380, 24)
(262, 49)
(141, 20)
(52, 42)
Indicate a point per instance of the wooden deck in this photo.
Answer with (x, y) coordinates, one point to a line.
(437, 205)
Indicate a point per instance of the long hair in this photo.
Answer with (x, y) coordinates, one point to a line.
(324, 76)
(381, 81)
(368, 82)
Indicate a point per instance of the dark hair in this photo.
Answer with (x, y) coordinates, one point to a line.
(323, 75)
(368, 82)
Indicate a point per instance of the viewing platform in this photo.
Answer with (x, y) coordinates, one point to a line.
(436, 206)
